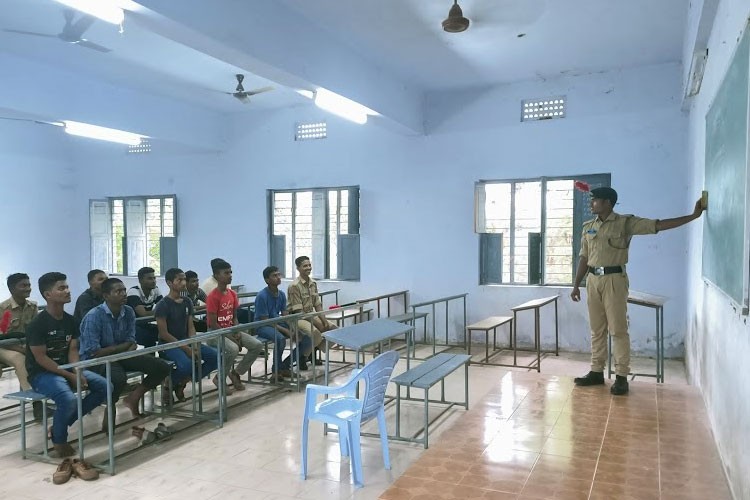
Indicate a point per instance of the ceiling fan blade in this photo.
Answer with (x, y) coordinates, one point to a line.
(21, 32)
(259, 91)
(92, 45)
(77, 29)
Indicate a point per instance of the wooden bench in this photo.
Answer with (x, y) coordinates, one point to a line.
(424, 376)
(487, 324)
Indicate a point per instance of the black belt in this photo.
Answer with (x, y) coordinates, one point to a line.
(605, 270)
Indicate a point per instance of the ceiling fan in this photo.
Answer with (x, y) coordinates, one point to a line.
(72, 32)
(244, 95)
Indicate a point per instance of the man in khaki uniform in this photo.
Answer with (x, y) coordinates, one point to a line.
(604, 253)
(22, 311)
(303, 296)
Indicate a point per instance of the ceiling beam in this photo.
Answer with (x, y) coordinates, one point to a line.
(272, 41)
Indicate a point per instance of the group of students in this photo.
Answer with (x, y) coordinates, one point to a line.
(104, 323)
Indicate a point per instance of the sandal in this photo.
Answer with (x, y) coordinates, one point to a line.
(179, 393)
(163, 432)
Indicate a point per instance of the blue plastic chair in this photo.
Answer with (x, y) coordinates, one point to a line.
(348, 412)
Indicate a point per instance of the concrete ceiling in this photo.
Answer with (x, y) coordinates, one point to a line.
(385, 54)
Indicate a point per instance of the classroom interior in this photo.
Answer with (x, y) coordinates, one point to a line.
(445, 114)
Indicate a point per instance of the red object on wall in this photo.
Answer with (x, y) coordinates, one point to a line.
(582, 186)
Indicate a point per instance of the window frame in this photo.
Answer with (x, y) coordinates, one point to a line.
(110, 200)
(580, 214)
(353, 231)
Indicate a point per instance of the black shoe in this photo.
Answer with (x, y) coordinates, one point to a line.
(591, 378)
(38, 411)
(621, 386)
(312, 359)
(303, 365)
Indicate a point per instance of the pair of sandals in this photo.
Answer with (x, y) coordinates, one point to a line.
(161, 433)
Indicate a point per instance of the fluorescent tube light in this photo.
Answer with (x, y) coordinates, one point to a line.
(341, 106)
(106, 10)
(102, 133)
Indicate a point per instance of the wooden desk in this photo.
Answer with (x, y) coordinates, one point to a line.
(535, 305)
(655, 302)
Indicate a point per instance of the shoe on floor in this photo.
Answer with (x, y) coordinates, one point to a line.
(84, 470)
(621, 386)
(591, 378)
(236, 381)
(286, 373)
(38, 411)
(63, 472)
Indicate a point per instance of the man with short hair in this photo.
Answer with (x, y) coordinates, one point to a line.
(221, 312)
(210, 283)
(109, 328)
(271, 303)
(604, 252)
(304, 298)
(197, 296)
(22, 311)
(193, 290)
(51, 341)
(173, 318)
(142, 299)
(92, 296)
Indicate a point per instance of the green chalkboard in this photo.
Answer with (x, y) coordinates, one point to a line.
(726, 257)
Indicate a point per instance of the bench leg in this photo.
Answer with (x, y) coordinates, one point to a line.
(426, 418)
(23, 430)
(466, 385)
(398, 410)
(486, 346)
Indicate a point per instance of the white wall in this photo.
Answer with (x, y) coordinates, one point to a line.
(718, 340)
(417, 192)
(37, 188)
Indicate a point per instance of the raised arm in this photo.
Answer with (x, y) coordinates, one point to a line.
(663, 225)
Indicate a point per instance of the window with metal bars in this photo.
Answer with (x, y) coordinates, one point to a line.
(321, 223)
(128, 233)
(530, 229)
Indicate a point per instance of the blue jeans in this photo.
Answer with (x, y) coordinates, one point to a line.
(56, 387)
(184, 365)
(279, 343)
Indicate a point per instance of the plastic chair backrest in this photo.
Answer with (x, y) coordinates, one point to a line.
(377, 374)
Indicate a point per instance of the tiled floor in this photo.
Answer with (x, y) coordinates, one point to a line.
(526, 434)
(539, 437)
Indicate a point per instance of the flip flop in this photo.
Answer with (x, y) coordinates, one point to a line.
(148, 437)
(163, 432)
(138, 431)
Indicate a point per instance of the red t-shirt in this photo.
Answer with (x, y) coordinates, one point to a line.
(223, 305)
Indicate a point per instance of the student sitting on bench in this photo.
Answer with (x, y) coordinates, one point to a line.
(109, 329)
(51, 341)
(174, 319)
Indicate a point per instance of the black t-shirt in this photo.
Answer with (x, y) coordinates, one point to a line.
(55, 334)
(176, 314)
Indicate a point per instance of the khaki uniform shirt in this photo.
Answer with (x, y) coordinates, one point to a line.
(303, 296)
(21, 316)
(606, 243)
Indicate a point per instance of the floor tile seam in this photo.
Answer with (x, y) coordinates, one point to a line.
(601, 447)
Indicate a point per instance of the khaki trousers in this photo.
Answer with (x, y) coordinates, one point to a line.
(17, 361)
(607, 299)
(308, 329)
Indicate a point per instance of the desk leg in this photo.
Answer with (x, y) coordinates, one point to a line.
(660, 344)
(557, 332)
(468, 347)
(538, 339)
(487, 345)
(513, 337)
